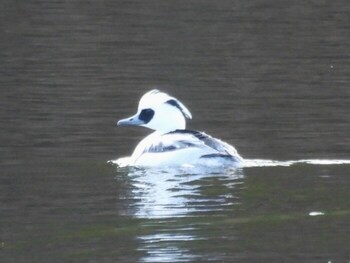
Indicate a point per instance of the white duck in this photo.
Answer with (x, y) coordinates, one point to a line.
(171, 144)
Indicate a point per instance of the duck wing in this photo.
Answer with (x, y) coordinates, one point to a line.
(181, 139)
(219, 146)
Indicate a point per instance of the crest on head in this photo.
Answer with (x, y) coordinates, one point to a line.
(159, 111)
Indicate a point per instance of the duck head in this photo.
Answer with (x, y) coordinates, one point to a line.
(160, 112)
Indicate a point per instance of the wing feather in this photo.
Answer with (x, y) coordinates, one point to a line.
(180, 139)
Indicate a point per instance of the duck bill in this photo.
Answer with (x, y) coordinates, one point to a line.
(131, 121)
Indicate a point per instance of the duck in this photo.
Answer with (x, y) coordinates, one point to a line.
(170, 143)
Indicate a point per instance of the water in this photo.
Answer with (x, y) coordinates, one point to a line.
(270, 78)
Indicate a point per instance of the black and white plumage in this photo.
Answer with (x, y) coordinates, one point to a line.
(171, 144)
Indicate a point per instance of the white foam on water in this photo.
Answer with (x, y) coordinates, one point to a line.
(316, 213)
(124, 162)
(269, 163)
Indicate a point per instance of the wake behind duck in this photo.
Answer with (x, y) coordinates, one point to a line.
(171, 144)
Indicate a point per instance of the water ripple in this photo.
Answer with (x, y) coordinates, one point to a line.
(265, 162)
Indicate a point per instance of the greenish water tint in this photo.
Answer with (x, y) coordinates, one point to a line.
(135, 215)
(271, 78)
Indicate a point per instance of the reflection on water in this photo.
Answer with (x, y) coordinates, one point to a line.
(158, 249)
(192, 214)
(178, 193)
(272, 78)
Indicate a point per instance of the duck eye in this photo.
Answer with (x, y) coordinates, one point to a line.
(146, 115)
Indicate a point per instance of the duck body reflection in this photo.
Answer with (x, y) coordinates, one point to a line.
(170, 201)
(176, 192)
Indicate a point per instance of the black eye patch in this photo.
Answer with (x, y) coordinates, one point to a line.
(146, 115)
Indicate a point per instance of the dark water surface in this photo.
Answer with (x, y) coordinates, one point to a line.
(270, 77)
